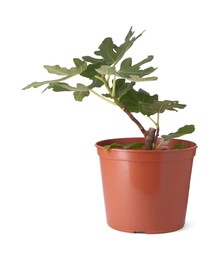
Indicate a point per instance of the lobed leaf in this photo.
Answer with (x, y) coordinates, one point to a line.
(80, 64)
(56, 69)
(122, 87)
(90, 71)
(107, 51)
(35, 84)
(159, 107)
(111, 53)
(81, 92)
(187, 129)
(135, 78)
(60, 86)
(93, 60)
(96, 83)
(133, 100)
(127, 69)
(106, 70)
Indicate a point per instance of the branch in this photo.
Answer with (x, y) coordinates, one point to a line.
(144, 132)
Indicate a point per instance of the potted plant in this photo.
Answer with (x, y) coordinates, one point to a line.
(146, 179)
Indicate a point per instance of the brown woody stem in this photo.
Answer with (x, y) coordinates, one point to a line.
(150, 138)
(149, 135)
(156, 135)
(144, 132)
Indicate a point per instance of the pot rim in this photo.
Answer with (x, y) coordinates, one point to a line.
(190, 145)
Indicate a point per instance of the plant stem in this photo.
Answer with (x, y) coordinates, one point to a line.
(149, 139)
(114, 86)
(160, 144)
(152, 120)
(158, 119)
(156, 135)
(102, 97)
(142, 129)
(103, 79)
(158, 128)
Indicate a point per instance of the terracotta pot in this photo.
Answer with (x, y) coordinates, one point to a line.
(146, 191)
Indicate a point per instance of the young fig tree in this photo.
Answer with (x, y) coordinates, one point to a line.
(113, 78)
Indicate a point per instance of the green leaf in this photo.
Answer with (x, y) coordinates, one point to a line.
(133, 100)
(107, 51)
(60, 86)
(56, 69)
(96, 83)
(93, 60)
(90, 71)
(159, 107)
(127, 69)
(38, 84)
(79, 96)
(187, 129)
(81, 92)
(106, 70)
(111, 53)
(35, 84)
(122, 87)
(80, 67)
(128, 61)
(133, 146)
(148, 59)
(138, 79)
(81, 87)
(80, 64)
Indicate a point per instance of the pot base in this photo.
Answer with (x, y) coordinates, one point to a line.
(147, 231)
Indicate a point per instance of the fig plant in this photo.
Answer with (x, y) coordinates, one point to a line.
(113, 78)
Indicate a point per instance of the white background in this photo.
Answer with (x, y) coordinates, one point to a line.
(51, 204)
